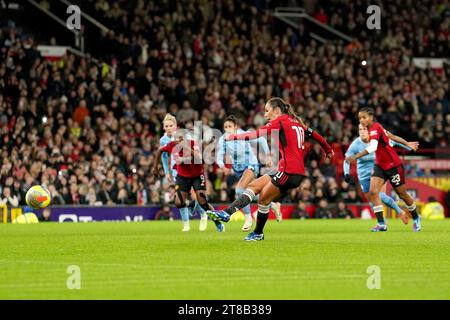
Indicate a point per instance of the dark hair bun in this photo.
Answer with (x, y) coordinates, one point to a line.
(232, 119)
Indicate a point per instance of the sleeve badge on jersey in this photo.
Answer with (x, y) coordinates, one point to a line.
(373, 133)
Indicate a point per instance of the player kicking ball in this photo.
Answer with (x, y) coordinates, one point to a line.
(189, 166)
(388, 166)
(244, 164)
(291, 169)
(365, 166)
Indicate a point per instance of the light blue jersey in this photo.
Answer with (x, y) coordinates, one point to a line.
(165, 139)
(364, 164)
(241, 153)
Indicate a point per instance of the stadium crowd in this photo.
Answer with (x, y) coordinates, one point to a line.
(89, 128)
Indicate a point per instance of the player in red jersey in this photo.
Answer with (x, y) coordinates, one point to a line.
(189, 165)
(291, 169)
(388, 166)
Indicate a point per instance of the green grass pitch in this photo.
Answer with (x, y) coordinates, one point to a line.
(155, 260)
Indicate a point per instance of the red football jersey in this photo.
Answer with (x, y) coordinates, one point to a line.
(385, 156)
(190, 170)
(290, 140)
(290, 143)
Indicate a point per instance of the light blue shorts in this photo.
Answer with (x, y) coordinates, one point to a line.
(365, 185)
(239, 170)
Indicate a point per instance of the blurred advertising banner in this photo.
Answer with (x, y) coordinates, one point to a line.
(141, 213)
(90, 214)
(433, 63)
(52, 53)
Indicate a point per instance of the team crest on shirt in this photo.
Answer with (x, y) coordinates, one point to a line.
(373, 133)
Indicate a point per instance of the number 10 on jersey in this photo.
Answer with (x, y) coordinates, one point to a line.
(300, 136)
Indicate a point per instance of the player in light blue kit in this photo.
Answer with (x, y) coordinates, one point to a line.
(365, 167)
(244, 163)
(169, 126)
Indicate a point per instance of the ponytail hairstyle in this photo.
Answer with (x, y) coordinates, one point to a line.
(170, 117)
(285, 108)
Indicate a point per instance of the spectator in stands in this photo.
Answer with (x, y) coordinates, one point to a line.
(300, 211)
(107, 194)
(353, 196)
(45, 215)
(328, 169)
(57, 198)
(81, 113)
(8, 198)
(342, 211)
(323, 210)
(165, 213)
(321, 16)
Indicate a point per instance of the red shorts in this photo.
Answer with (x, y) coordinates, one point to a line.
(285, 181)
(395, 175)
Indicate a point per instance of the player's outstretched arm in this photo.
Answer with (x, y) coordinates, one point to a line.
(243, 136)
(352, 150)
(373, 146)
(414, 145)
(322, 141)
(396, 144)
(355, 157)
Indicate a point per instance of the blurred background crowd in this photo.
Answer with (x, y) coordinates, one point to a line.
(88, 128)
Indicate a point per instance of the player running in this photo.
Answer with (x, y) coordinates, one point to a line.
(244, 163)
(388, 166)
(364, 169)
(170, 126)
(291, 170)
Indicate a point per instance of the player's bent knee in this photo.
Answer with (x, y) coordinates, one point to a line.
(372, 194)
(179, 202)
(401, 192)
(263, 201)
(255, 189)
(201, 197)
(256, 186)
(405, 197)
